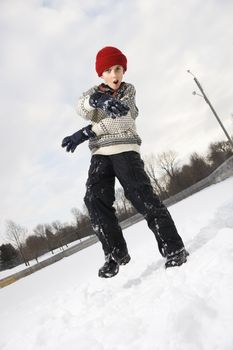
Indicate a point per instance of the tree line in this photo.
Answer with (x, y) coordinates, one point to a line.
(167, 178)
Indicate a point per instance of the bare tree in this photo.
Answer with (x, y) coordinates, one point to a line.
(82, 222)
(168, 163)
(200, 167)
(58, 227)
(77, 215)
(122, 204)
(43, 230)
(218, 152)
(151, 167)
(16, 234)
(35, 246)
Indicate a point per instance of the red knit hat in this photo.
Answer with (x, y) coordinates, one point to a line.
(107, 57)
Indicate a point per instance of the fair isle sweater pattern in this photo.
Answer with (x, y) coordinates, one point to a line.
(111, 132)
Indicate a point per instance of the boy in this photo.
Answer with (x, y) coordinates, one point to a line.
(115, 147)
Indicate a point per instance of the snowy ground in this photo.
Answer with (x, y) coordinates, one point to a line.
(144, 307)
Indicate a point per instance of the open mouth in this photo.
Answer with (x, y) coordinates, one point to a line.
(115, 82)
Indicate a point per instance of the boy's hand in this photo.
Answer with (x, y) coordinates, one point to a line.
(113, 107)
(71, 142)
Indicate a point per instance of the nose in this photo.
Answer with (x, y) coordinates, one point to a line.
(113, 73)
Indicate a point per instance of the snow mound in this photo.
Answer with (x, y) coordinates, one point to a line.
(144, 307)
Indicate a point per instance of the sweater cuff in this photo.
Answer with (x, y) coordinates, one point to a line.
(86, 104)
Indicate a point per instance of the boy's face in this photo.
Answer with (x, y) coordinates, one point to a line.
(113, 76)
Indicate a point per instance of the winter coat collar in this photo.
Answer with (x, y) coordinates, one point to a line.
(119, 93)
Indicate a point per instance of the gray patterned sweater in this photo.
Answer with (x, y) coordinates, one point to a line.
(112, 135)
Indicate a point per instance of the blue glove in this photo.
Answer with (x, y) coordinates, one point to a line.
(109, 104)
(71, 142)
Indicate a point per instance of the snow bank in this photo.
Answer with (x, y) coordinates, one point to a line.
(144, 307)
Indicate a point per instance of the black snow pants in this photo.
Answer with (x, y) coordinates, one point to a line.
(128, 167)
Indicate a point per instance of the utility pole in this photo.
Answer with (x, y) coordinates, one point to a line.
(211, 107)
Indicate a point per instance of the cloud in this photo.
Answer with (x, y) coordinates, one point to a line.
(47, 60)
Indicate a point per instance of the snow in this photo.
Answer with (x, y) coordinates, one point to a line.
(144, 307)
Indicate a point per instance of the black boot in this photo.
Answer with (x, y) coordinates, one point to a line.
(110, 268)
(176, 259)
(121, 256)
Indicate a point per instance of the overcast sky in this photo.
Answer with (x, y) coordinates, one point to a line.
(47, 60)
